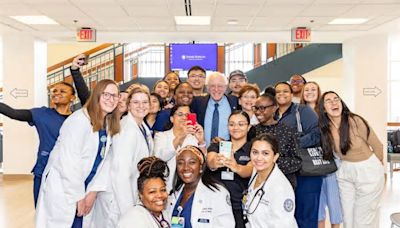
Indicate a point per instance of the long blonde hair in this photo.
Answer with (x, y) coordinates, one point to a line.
(95, 112)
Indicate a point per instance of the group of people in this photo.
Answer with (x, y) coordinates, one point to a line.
(192, 154)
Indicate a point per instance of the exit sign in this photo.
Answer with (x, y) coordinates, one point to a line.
(301, 34)
(86, 35)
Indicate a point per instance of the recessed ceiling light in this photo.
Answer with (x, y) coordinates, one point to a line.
(232, 22)
(35, 20)
(348, 21)
(192, 20)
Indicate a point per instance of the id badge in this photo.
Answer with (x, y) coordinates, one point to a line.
(177, 222)
(227, 175)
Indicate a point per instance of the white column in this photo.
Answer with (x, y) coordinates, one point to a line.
(365, 80)
(24, 82)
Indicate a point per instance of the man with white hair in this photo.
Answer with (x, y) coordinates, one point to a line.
(214, 109)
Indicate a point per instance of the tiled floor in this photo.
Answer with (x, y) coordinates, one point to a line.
(16, 203)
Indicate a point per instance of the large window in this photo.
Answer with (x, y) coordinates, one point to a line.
(144, 60)
(239, 56)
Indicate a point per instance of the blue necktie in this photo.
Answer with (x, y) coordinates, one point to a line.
(215, 122)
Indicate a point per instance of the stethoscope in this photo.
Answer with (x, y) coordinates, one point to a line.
(259, 194)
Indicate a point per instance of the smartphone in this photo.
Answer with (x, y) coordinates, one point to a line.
(83, 61)
(192, 118)
(225, 148)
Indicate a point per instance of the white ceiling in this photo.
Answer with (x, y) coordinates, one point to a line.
(153, 20)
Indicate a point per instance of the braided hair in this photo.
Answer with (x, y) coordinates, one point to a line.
(151, 167)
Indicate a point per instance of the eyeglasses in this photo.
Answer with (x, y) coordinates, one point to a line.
(261, 108)
(180, 114)
(240, 124)
(197, 76)
(108, 95)
(137, 103)
(334, 100)
(248, 97)
(296, 81)
(217, 87)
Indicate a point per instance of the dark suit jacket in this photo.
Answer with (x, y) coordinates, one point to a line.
(199, 106)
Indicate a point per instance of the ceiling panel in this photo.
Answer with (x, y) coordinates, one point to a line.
(242, 10)
(371, 10)
(271, 21)
(230, 28)
(222, 21)
(16, 9)
(306, 21)
(103, 10)
(155, 21)
(290, 1)
(146, 11)
(142, 2)
(326, 10)
(281, 10)
(317, 2)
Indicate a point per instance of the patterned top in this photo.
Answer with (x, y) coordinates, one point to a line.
(288, 160)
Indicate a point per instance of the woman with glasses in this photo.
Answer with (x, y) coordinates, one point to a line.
(71, 178)
(330, 197)
(269, 201)
(233, 171)
(133, 143)
(247, 98)
(197, 200)
(289, 163)
(181, 132)
(308, 188)
(153, 196)
(361, 173)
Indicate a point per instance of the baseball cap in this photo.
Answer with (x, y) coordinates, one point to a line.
(237, 73)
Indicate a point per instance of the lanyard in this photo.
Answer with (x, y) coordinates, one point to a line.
(143, 130)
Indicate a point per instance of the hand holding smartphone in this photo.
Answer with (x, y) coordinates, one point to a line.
(192, 118)
(225, 148)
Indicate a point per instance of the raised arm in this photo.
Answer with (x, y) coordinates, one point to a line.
(80, 85)
(16, 114)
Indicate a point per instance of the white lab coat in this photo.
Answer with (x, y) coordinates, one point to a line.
(212, 206)
(276, 207)
(165, 150)
(128, 148)
(70, 163)
(137, 217)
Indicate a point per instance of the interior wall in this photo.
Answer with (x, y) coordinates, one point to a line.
(19, 91)
(366, 63)
(329, 77)
(60, 52)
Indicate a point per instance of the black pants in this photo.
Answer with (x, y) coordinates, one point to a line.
(238, 214)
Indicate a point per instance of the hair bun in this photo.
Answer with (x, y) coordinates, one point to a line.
(153, 167)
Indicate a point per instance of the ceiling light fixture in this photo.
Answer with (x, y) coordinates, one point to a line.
(232, 22)
(192, 20)
(348, 21)
(35, 20)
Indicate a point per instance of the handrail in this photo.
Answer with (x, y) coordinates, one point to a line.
(68, 61)
(393, 124)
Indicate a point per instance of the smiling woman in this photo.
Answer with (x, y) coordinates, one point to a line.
(153, 196)
(68, 192)
(197, 199)
(129, 147)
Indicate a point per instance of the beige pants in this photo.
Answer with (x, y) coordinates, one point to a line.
(361, 186)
